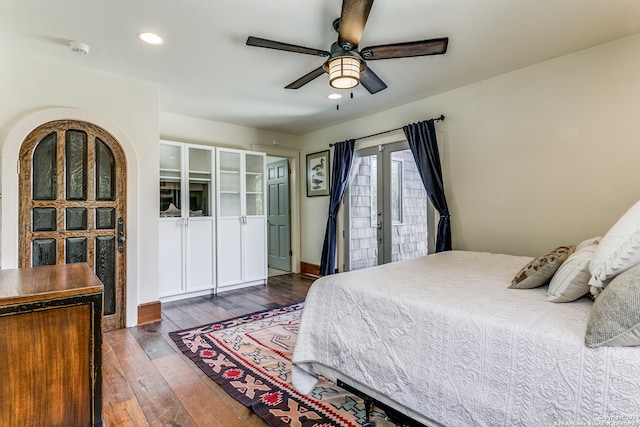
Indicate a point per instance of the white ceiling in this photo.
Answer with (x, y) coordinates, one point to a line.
(205, 70)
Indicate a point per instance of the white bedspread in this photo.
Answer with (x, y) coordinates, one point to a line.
(443, 336)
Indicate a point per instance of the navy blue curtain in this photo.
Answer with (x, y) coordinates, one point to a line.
(342, 161)
(424, 146)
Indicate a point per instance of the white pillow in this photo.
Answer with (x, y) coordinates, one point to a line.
(571, 281)
(589, 242)
(618, 251)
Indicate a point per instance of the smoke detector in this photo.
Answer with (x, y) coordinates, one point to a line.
(79, 47)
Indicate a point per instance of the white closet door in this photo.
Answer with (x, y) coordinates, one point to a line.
(229, 251)
(187, 221)
(255, 249)
(241, 222)
(171, 257)
(200, 262)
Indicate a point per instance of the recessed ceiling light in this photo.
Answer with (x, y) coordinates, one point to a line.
(334, 96)
(150, 38)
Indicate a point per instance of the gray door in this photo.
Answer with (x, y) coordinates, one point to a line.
(278, 216)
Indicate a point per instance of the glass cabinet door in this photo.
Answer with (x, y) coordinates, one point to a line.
(199, 182)
(229, 182)
(254, 179)
(170, 180)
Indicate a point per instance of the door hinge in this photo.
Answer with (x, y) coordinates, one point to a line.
(290, 253)
(289, 171)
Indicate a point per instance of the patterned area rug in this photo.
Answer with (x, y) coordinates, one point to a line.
(250, 357)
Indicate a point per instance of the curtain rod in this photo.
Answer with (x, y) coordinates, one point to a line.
(436, 119)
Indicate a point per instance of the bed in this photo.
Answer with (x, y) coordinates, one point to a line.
(442, 339)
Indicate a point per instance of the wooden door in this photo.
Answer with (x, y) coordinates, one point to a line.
(72, 198)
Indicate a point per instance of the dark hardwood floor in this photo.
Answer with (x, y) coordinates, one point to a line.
(147, 381)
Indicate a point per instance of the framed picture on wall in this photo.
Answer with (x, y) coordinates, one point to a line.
(318, 174)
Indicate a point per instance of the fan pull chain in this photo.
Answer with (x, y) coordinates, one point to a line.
(338, 102)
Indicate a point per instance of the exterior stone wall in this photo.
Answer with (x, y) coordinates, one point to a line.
(409, 238)
(362, 233)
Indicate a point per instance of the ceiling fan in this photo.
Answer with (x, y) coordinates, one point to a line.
(346, 65)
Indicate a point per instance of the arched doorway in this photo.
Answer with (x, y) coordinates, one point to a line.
(72, 198)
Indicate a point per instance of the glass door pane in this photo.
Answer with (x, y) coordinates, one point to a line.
(408, 208)
(229, 183)
(199, 182)
(45, 168)
(170, 180)
(105, 171)
(254, 180)
(76, 148)
(364, 219)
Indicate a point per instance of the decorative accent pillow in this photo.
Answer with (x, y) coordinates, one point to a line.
(618, 251)
(571, 281)
(541, 269)
(615, 316)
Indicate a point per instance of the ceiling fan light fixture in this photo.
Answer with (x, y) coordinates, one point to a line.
(344, 72)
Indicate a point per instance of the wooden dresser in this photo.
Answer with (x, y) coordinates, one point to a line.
(50, 347)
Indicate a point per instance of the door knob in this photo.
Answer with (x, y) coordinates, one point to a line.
(121, 238)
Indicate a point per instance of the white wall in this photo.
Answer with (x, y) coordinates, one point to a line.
(536, 158)
(35, 90)
(175, 127)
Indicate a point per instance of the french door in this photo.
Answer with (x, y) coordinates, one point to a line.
(72, 192)
(388, 216)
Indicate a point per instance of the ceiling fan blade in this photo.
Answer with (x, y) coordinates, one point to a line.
(270, 44)
(371, 81)
(352, 21)
(306, 78)
(403, 50)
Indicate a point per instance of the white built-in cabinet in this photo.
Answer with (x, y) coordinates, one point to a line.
(187, 221)
(241, 218)
(213, 223)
